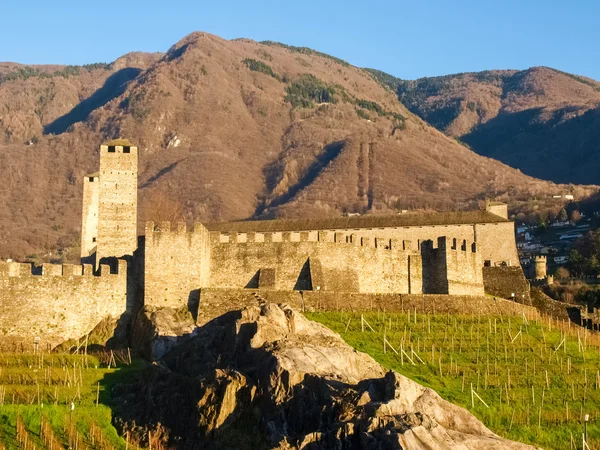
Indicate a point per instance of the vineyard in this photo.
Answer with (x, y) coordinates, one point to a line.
(58, 401)
(530, 379)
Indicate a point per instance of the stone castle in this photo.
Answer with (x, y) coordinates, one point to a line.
(454, 254)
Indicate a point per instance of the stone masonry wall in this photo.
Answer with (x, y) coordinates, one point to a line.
(117, 208)
(503, 281)
(89, 215)
(451, 266)
(177, 264)
(496, 243)
(463, 268)
(336, 262)
(63, 302)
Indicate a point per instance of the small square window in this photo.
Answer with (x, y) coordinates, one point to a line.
(111, 149)
(91, 179)
(93, 239)
(126, 149)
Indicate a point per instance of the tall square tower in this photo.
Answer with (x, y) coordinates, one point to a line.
(109, 219)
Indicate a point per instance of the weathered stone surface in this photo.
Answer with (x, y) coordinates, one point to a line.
(266, 377)
(62, 302)
(156, 330)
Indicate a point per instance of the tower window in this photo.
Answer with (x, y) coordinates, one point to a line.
(126, 149)
(111, 149)
(91, 179)
(93, 239)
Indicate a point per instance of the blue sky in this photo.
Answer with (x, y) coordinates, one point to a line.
(408, 39)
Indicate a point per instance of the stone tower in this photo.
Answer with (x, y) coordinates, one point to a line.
(539, 268)
(109, 216)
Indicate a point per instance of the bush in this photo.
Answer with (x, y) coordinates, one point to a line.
(67, 71)
(24, 73)
(97, 66)
(306, 51)
(259, 66)
(307, 89)
(371, 106)
(363, 114)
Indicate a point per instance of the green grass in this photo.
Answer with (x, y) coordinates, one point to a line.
(39, 386)
(492, 354)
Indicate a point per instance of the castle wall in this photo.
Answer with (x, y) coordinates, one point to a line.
(414, 234)
(451, 266)
(360, 265)
(64, 302)
(463, 268)
(177, 264)
(117, 208)
(89, 215)
(496, 243)
(504, 281)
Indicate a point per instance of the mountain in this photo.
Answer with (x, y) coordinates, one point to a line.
(542, 121)
(232, 130)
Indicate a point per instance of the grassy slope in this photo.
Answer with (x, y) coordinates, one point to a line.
(22, 376)
(478, 351)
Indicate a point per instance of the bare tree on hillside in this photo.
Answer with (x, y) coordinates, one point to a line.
(159, 207)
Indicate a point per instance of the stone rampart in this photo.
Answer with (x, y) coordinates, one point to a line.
(321, 261)
(177, 264)
(504, 281)
(451, 266)
(58, 302)
(496, 243)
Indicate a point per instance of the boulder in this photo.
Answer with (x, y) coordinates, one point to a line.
(267, 377)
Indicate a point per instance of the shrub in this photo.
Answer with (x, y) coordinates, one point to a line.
(307, 89)
(67, 71)
(264, 54)
(24, 73)
(97, 66)
(306, 51)
(363, 114)
(259, 66)
(371, 106)
(398, 125)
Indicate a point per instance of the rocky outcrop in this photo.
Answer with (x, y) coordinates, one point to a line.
(266, 377)
(156, 330)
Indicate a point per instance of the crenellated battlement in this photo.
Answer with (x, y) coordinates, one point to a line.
(316, 238)
(169, 228)
(450, 244)
(25, 270)
(116, 146)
